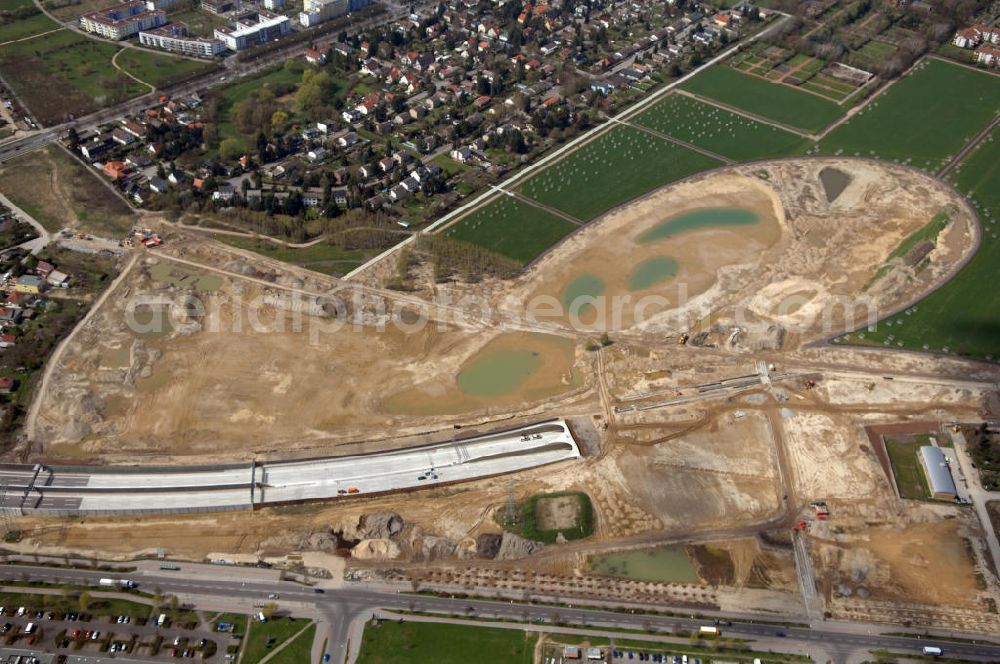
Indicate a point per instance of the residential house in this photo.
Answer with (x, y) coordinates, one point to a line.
(58, 279)
(988, 55)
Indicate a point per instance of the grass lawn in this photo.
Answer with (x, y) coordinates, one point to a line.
(511, 228)
(720, 131)
(964, 315)
(298, 651)
(280, 629)
(321, 257)
(780, 103)
(160, 70)
(59, 191)
(64, 73)
(907, 470)
(924, 119)
(438, 643)
(200, 23)
(237, 620)
(25, 27)
(615, 167)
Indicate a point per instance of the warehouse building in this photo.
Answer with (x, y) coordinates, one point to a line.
(123, 21)
(246, 32)
(175, 37)
(938, 474)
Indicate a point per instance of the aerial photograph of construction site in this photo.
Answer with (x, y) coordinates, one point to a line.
(457, 332)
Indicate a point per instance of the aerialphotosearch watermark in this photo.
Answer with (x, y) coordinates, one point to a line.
(318, 317)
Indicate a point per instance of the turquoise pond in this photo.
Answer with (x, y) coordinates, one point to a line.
(651, 272)
(586, 285)
(699, 220)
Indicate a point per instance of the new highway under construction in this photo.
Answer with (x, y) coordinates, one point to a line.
(117, 490)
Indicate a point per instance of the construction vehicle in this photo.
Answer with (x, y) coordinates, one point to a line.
(683, 339)
(352, 489)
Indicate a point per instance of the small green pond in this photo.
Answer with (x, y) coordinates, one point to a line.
(499, 372)
(662, 564)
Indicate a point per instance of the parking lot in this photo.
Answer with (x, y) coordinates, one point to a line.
(87, 638)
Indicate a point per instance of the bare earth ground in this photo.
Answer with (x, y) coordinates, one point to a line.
(728, 473)
(241, 380)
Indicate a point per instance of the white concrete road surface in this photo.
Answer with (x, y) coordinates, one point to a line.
(137, 489)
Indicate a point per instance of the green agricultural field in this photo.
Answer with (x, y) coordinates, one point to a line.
(907, 470)
(616, 167)
(924, 119)
(511, 228)
(64, 73)
(160, 70)
(437, 643)
(26, 27)
(720, 131)
(964, 315)
(780, 103)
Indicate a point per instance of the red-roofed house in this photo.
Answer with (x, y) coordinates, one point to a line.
(988, 56)
(116, 170)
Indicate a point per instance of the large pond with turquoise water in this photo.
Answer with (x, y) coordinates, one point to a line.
(703, 219)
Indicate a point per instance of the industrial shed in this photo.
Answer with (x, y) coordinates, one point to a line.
(939, 477)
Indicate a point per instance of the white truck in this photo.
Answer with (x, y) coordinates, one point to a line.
(932, 650)
(117, 583)
(708, 630)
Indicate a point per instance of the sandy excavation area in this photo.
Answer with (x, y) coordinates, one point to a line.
(244, 375)
(797, 268)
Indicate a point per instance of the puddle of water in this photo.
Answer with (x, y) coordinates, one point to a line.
(651, 272)
(152, 322)
(664, 564)
(834, 182)
(698, 220)
(184, 278)
(498, 372)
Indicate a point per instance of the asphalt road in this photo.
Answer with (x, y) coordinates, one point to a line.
(342, 605)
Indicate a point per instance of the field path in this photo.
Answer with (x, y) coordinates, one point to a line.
(31, 419)
(114, 63)
(747, 114)
(969, 147)
(541, 206)
(30, 37)
(677, 141)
